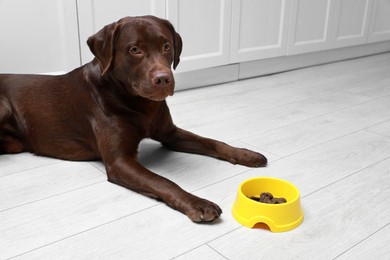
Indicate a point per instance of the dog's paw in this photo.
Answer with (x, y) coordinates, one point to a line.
(248, 158)
(201, 210)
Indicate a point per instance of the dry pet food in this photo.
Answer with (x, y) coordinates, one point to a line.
(268, 198)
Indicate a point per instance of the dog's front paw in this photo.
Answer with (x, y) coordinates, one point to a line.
(248, 158)
(201, 210)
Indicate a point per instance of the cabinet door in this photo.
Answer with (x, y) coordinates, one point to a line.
(380, 21)
(95, 14)
(310, 23)
(38, 36)
(259, 29)
(204, 26)
(351, 22)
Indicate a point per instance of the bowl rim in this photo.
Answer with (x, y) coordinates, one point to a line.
(296, 191)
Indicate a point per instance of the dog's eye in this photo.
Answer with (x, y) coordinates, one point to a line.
(167, 47)
(135, 50)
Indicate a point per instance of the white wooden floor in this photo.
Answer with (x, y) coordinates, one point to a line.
(326, 129)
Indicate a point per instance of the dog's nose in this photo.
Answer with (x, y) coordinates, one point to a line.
(162, 79)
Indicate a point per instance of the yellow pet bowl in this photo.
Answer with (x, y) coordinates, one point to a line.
(278, 217)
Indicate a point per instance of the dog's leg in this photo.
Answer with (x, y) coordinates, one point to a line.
(184, 141)
(8, 142)
(5, 111)
(132, 175)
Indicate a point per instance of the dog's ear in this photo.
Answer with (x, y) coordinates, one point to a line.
(102, 45)
(178, 45)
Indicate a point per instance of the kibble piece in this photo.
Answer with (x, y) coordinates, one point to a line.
(280, 200)
(268, 198)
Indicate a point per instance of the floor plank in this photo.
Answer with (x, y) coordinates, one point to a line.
(46, 221)
(203, 252)
(282, 116)
(15, 163)
(304, 134)
(374, 247)
(44, 182)
(382, 129)
(324, 164)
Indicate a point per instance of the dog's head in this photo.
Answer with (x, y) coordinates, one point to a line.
(138, 52)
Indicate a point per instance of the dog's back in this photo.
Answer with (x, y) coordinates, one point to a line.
(41, 114)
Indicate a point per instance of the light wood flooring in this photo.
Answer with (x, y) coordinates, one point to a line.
(326, 129)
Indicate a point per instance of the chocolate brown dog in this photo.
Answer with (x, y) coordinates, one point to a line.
(102, 110)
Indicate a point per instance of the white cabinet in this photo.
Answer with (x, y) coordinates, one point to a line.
(95, 14)
(204, 26)
(310, 22)
(259, 29)
(351, 22)
(38, 36)
(380, 24)
(328, 24)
